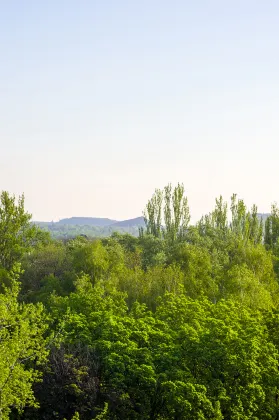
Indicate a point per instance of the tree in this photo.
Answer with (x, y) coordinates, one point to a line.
(22, 327)
(17, 233)
(225, 348)
(42, 266)
(153, 214)
(272, 228)
(245, 224)
(91, 258)
(167, 214)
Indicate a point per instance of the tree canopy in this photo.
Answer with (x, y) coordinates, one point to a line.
(180, 322)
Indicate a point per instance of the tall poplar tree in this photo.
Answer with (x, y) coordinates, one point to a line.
(167, 213)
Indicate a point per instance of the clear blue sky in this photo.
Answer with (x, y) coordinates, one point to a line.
(103, 101)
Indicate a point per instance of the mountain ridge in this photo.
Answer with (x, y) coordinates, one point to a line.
(95, 221)
(90, 221)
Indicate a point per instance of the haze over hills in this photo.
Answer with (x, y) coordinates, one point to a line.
(96, 221)
(91, 226)
(138, 221)
(263, 216)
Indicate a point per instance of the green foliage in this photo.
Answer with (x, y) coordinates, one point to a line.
(92, 259)
(167, 214)
(47, 269)
(272, 228)
(22, 349)
(17, 234)
(104, 414)
(178, 323)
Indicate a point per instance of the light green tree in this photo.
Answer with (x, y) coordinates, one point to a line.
(22, 327)
(17, 233)
(167, 213)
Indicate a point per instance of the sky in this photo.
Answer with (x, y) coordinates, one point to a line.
(103, 101)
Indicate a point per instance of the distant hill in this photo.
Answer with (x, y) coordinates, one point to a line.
(86, 221)
(263, 216)
(138, 221)
(91, 227)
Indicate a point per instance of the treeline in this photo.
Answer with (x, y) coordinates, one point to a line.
(69, 231)
(180, 322)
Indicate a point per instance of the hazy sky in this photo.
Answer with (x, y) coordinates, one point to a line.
(103, 101)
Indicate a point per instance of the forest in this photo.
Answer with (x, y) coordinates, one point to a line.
(180, 322)
(64, 231)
